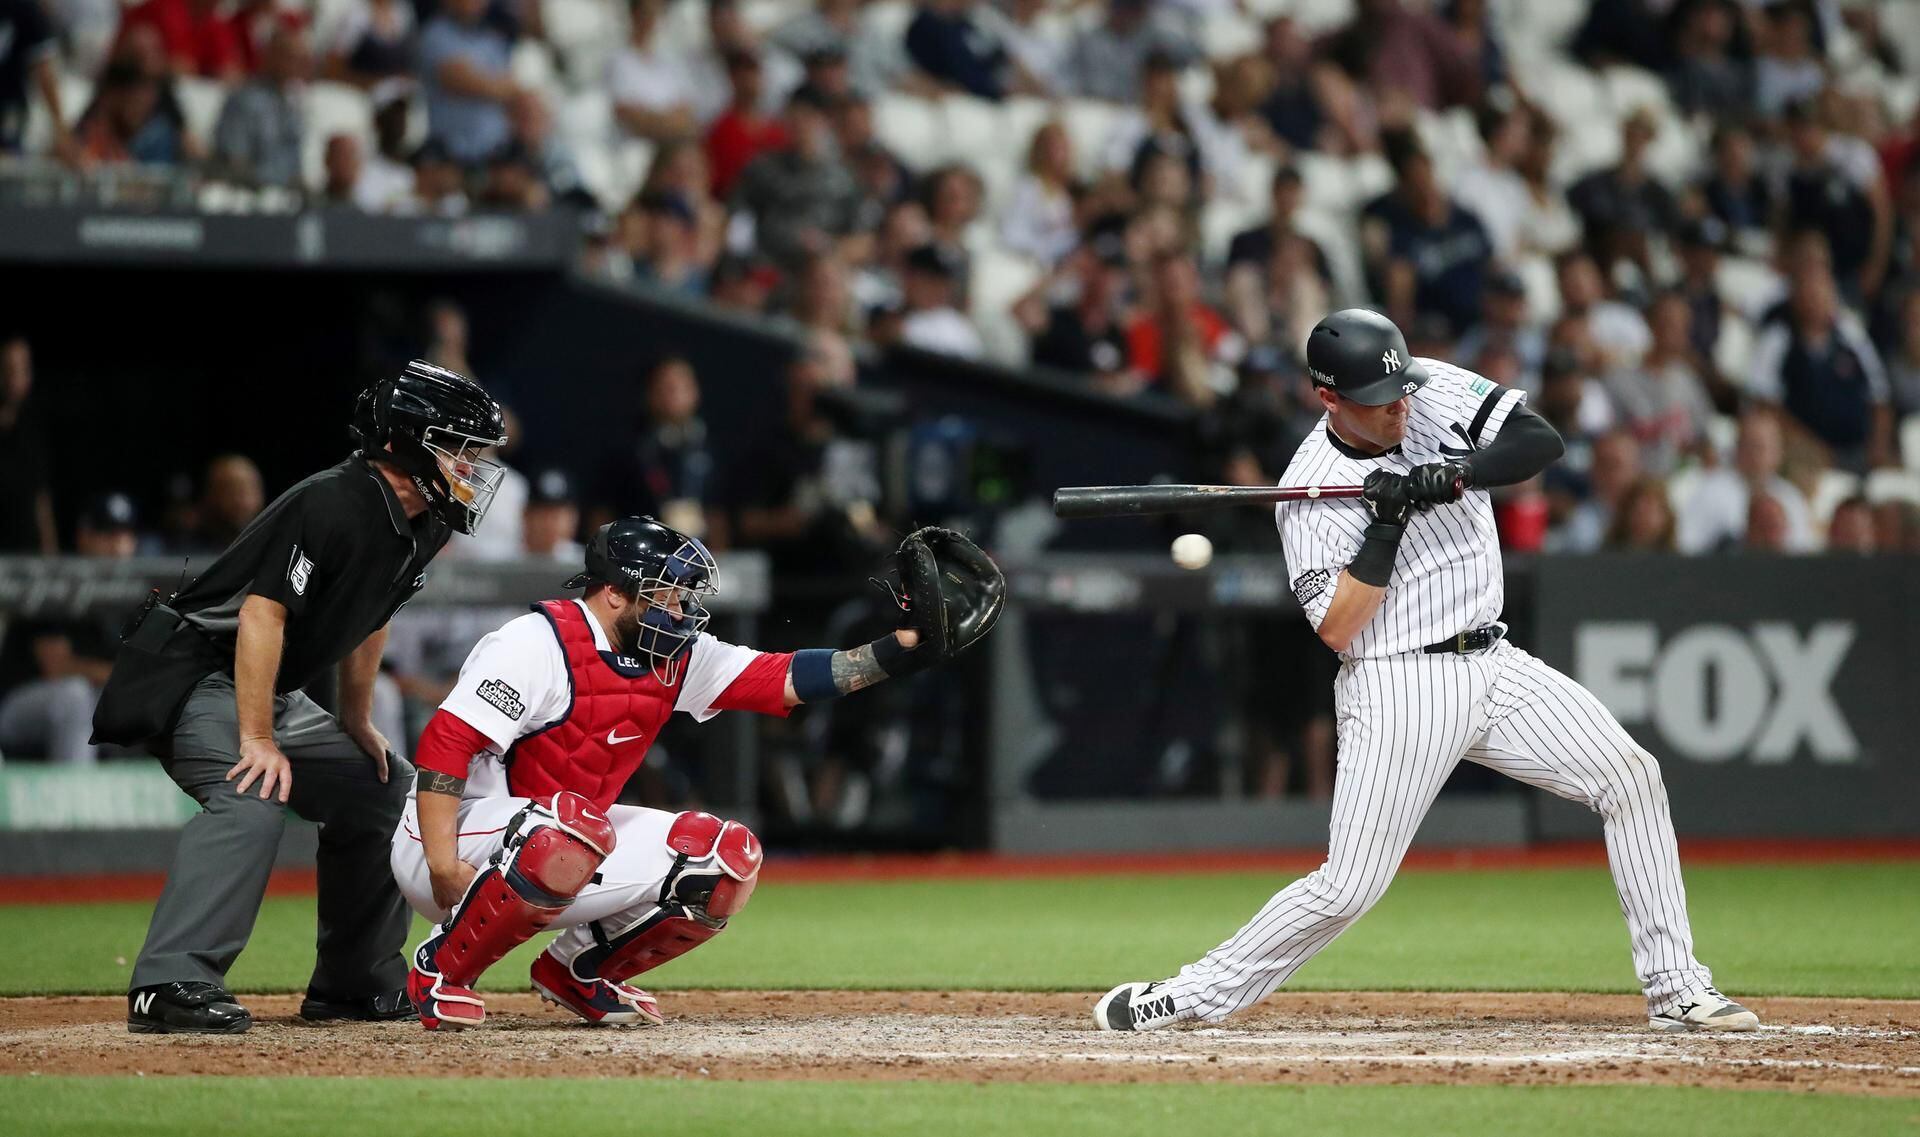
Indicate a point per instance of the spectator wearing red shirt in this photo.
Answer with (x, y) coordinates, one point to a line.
(198, 38)
(1172, 340)
(741, 133)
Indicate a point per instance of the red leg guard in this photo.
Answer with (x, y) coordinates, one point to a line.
(718, 866)
(544, 865)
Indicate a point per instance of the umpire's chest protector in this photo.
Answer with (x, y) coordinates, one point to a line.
(615, 709)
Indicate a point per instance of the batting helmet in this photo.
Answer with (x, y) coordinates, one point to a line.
(1361, 356)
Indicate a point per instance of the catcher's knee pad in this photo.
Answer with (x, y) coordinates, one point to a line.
(550, 854)
(715, 868)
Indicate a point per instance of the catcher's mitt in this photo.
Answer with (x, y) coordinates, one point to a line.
(951, 591)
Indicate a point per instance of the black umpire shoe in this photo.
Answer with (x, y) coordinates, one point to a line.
(387, 1006)
(185, 1008)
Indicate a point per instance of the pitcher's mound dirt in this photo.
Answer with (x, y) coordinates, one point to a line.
(1855, 1046)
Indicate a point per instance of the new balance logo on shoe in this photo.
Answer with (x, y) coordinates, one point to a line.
(143, 1003)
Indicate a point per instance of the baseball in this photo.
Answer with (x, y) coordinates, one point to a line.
(1192, 551)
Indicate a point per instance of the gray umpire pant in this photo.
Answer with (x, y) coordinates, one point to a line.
(226, 853)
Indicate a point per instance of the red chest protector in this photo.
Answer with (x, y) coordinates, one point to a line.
(616, 708)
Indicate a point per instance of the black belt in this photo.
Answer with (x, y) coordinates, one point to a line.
(1479, 639)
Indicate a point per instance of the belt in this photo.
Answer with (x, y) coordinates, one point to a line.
(1479, 639)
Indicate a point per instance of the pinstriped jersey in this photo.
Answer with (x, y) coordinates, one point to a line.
(1447, 575)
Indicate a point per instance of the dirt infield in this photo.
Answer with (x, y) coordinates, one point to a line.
(1850, 1046)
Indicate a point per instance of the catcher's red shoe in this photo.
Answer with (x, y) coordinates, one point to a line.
(596, 1000)
(438, 1002)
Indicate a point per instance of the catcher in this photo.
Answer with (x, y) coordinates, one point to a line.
(512, 828)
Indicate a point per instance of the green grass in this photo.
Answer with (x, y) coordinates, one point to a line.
(1814, 930)
(375, 1107)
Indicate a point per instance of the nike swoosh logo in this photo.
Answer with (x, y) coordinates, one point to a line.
(614, 739)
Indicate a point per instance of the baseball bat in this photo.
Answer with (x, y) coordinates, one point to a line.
(1135, 501)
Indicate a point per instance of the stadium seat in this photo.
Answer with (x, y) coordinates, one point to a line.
(1338, 240)
(1681, 486)
(1089, 123)
(333, 108)
(586, 118)
(970, 130)
(1543, 288)
(1567, 91)
(200, 102)
(1733, 351)
(910, 127)
(1225, 34)
(1722, 432)
(1547, 23)
(1316, 16)
(998, 279)
(1832, 488)
(1893, 485)
(76, 91)
(1747, 285)
(584, 35)
(1326, 183)
(1371, 175)
(532, 66)
(595, 160)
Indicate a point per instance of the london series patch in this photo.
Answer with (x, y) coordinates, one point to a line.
(1308, 585)
(503, 698)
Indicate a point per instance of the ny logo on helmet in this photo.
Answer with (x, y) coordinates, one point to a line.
(1391, 359)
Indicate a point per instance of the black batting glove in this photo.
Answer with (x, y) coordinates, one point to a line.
(1387, 498)
(1438, 483)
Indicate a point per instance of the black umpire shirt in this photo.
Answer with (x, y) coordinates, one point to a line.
(338, 550)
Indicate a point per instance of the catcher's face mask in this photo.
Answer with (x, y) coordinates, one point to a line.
(669, 611)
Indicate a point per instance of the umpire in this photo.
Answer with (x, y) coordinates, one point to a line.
(211, 682)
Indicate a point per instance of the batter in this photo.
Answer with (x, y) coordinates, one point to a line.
(1406, 585)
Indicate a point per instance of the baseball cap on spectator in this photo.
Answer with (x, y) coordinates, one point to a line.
(669, 203)
(1506, 282)
(809, 97)
(935, 259)
(1560, 363)
(1702, 232)
(432, 152)
(550, 487)
(109, 513)
(385, 93)
(1161, 59)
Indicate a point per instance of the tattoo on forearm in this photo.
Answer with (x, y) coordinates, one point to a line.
(855, 669)
(435, 782)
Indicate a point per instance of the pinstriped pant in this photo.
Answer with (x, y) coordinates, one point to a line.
(1405, 721)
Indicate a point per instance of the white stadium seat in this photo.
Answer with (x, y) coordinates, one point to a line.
(586, 118)
(1893, 485)
(1089, 123)
(1832, 488)
(910, 127)
(333, 108)
(1747, 285)
(998, 279)
(200, 102)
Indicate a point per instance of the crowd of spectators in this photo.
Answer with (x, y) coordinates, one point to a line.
(1690, 229)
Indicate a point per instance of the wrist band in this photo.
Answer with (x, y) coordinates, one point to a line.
(812, 672)
(1373, 564)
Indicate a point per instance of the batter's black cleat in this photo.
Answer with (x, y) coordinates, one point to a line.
(185, 1007)
(387, 1006)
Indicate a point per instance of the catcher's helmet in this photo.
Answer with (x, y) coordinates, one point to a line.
(1360, 355)
(662, 568)
(433, 424)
